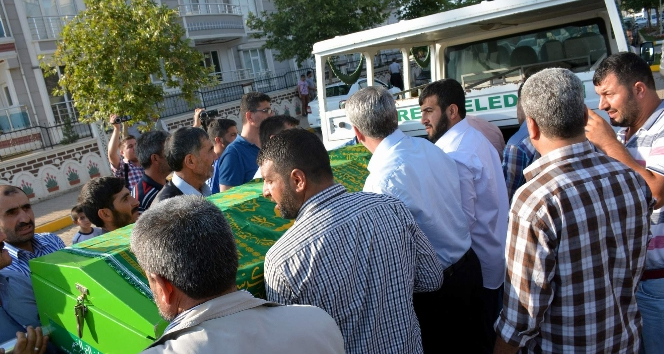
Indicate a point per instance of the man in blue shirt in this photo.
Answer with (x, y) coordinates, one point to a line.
(237, 165)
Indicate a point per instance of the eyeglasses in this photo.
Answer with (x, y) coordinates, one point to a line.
(265, 110)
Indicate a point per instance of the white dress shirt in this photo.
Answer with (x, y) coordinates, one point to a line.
(187, 189)
(483, 196)
(425, 179)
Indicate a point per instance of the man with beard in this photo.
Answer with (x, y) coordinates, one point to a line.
(190, 154)
(108, 204)
(423, 177)
(626, 90)
(358, 256)
(194, 288)
(483, 190)
(150, 151)
(17, 222)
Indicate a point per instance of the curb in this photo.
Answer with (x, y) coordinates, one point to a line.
(55, 225)
(654, 68)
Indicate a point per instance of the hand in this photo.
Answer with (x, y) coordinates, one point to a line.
(34, 343)
(197, 116)
(600, 132)
(112, 121)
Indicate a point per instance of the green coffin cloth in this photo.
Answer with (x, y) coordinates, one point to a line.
(253, 218)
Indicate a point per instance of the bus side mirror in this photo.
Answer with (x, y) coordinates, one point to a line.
(648, 52)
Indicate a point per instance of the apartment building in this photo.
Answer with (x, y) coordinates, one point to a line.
(30, 28)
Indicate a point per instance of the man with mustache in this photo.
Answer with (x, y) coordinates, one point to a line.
(17, 221)
(626, 89)
(483, 190)
(108, 204)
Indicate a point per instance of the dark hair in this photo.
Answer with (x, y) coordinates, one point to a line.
(123, 140)
(273, 125)
(219, 127)
(308, 72)
(182, 142)
(148, 144)
(302, 76)
(628, 67)
(75, 210)
(447, 92)
(250, 103)
(297, 149)
(98, 194)
(188, 241)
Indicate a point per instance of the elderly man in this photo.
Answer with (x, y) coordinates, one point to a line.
(150, 151)
(578, 231)
(358, 256)
(122, 156)
(424, 178)
(190, 155)
(108, 204)
(519, 153)
(483, 190)
(237, 165)
(194, 288)
(626, 89)
(17, 222)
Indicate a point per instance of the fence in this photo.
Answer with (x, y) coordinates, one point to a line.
(21, 141)
(175, 104)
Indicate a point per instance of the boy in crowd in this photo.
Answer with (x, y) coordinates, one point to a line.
(85, 229)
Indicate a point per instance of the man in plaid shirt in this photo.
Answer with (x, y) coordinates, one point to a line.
(577, 235)
(124, 165)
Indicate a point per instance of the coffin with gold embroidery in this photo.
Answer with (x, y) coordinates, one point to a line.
(95, 298)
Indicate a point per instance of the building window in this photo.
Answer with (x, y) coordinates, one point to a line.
(211, 60)
(255, 60)
(8, 97)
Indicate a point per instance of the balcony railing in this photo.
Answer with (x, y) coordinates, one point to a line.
(209, 9)
(47, 27)
(14, 118)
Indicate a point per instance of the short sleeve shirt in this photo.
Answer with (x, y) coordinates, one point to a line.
(647, 147)
(237, 165)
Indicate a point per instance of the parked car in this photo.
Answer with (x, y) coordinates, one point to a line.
(337, 94)
(641, 22)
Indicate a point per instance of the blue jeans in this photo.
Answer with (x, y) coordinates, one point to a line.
(650, 299)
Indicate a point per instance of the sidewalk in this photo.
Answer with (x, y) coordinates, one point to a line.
(53, 215)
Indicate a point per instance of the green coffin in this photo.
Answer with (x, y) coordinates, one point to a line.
(120, 316)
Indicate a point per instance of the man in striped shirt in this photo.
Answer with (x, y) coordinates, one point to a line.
(358, 256)
(626, 88)
(577, 235)
(150, 152)
(17, 222)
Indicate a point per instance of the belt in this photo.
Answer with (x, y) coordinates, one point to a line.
(652, 274)
(449, 271)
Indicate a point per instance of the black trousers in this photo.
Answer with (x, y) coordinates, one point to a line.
(396, 81)
(454, 313)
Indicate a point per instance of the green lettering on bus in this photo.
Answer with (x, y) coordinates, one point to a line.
(415, 113)
(469, 105)
(494, 102)
(403, 115)
(509, 100)
(479, 107)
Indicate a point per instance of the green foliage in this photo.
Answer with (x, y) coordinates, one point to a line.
(422, 60)
(296, 25)
(410, 9)
(69, 135)
(347, 79)
(109, 51)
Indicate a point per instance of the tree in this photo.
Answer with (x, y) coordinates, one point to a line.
(295, 25)
(69, 135)
(409, 9)
(109, 52)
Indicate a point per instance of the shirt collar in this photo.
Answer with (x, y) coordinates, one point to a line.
(152, 182)
(384, 146)
(454, 134)
(560, 154)
(187, 189)
(320, 198)
(15, 251)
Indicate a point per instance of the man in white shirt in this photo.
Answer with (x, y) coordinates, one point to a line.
(424, 178)
(483, 190)
(395, 78)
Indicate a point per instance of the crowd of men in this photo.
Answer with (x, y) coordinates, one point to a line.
(557, 246)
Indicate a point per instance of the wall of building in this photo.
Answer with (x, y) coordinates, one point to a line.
(45, 174)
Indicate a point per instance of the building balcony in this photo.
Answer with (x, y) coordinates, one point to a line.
(14, 118)
(206, 22)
